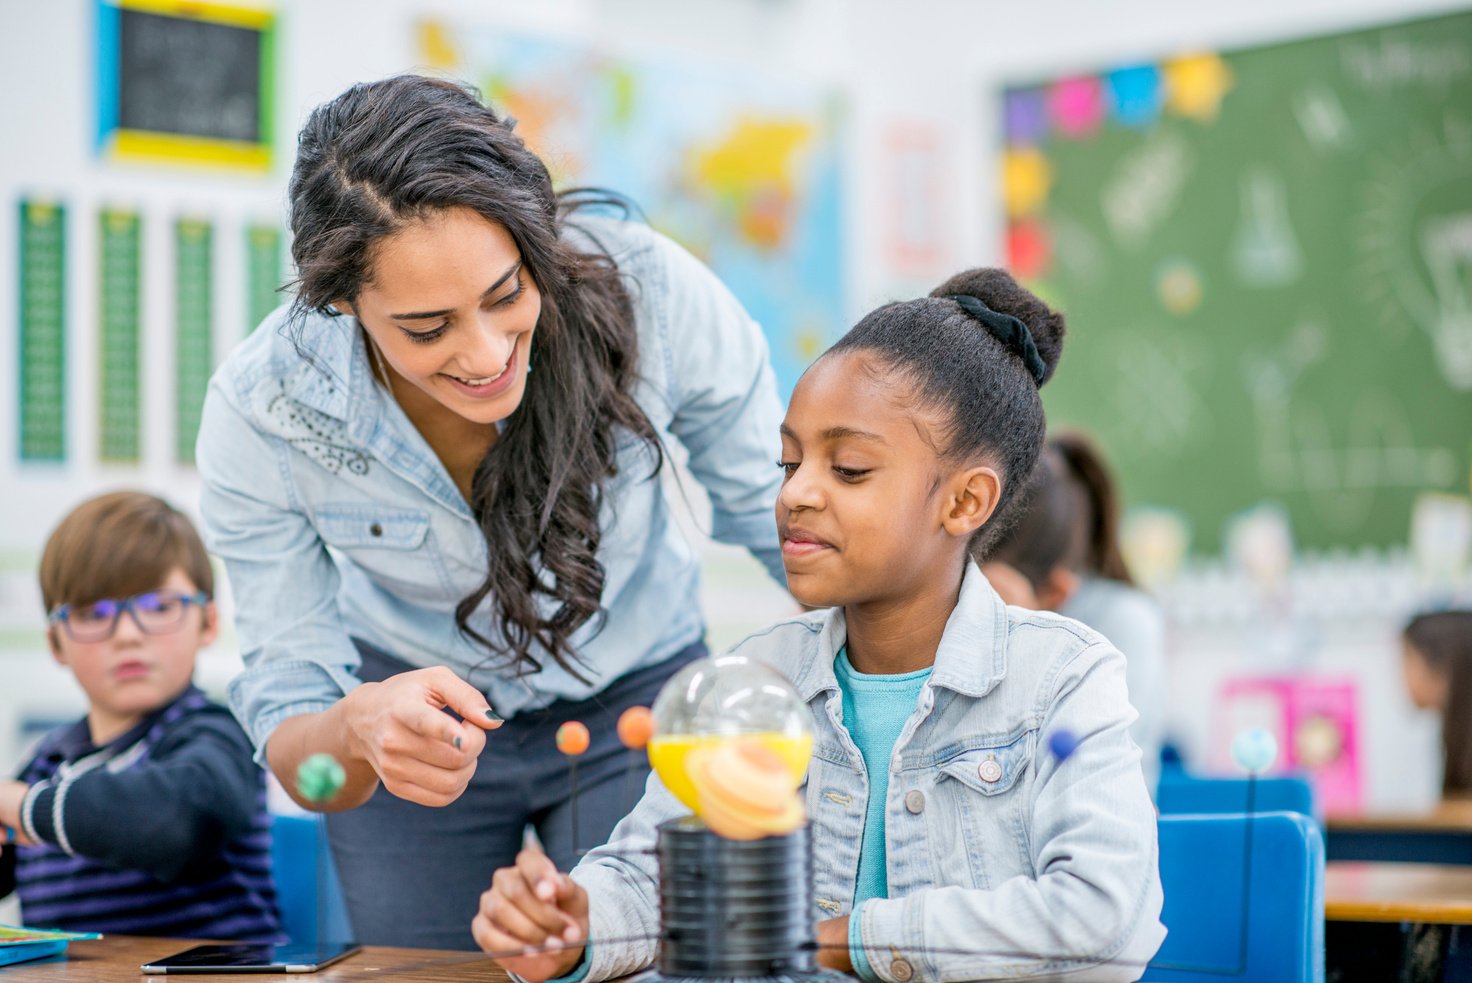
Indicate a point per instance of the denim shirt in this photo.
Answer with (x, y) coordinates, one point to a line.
(335, 519)
(1003, 861)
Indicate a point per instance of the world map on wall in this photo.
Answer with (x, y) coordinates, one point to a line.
(740, 170)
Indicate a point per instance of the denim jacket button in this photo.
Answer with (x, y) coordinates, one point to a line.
(915, 801)
(901, 970)
(990, 770)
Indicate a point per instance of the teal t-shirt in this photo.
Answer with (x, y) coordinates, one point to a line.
(875, 709)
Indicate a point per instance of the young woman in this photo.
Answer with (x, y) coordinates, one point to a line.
(434, 481)
(951, 839)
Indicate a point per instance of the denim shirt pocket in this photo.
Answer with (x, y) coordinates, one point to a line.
(983, 784)
(386, 544)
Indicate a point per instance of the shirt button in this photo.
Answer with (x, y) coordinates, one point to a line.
(990, 770)
(901, 970)
(915, 802)
(376, 529)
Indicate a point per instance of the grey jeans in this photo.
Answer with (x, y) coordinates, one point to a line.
(412, 875)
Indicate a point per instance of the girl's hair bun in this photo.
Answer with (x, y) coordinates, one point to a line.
(996, 289)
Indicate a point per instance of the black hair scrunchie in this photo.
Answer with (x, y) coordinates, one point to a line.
(1007, 329)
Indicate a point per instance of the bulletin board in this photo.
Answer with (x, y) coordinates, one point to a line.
(1265, 258)
(185, 83)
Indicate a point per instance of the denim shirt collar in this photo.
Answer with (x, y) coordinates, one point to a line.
(337, 380)
(334, 379)
(971, 658)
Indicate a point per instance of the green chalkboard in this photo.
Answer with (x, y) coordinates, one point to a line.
(1265, 257)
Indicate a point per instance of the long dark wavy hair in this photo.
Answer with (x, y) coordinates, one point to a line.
(385, 154)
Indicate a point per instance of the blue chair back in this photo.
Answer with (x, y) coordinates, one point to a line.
(1180, 792)
(307, 890)
(1277, 936)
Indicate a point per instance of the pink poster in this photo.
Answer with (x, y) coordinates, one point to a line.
(1315, 720)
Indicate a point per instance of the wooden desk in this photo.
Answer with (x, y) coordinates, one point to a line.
(1426, 894)
(117, 958)
(1442, 835)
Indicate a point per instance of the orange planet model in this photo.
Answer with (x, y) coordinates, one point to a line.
(635, 727)
(573, 738)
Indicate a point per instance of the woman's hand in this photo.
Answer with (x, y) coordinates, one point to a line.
(418, 751)
(528, 906)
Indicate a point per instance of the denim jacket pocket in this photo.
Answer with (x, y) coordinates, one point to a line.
(384, 543)
(983, 785)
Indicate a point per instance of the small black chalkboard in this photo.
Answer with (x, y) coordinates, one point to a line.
(185, 82)
(189, 77)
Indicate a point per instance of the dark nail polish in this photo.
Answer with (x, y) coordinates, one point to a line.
(457, 742)
(493, 715)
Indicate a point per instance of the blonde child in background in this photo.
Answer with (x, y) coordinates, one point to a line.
(1437, 650)
(147, 816)
(950, 841)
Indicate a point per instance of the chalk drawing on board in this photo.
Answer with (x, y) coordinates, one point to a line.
(1145, 186)
(1299, 451)
(1158, 381)
(1322, 118)
(1415, 244)
(1265, 251)
(1076, 248)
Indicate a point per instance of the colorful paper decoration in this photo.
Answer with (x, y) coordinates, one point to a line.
(1075, 106)
(1195, 85)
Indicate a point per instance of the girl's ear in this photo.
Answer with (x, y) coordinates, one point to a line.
(1057, 589)
(973, 499)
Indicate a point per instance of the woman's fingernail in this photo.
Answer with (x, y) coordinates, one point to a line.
(457, 742)
(493, 716)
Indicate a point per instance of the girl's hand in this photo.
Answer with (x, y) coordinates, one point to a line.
(532, 905)
(833, 945)
(420, 753)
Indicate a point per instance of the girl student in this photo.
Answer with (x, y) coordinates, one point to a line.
(433, 481)
(1437, 660)
(1063, 555)
(954, 836)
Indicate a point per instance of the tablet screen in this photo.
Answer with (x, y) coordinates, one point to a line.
(247, 957)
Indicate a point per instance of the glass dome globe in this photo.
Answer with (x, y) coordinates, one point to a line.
(715, 700)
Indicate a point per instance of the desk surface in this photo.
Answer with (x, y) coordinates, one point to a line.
(118, 958)
(1357, 891)
(1450, 816)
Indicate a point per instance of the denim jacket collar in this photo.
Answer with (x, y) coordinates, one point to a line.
(971, 658)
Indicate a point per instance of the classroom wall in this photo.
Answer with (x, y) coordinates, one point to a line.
(934, 65)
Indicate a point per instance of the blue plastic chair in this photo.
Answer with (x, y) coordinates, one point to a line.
(1205, 873)
(1180, 792)
(307, 890)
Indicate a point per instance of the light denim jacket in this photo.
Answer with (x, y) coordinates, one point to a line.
(1049, 870)
(334, 518)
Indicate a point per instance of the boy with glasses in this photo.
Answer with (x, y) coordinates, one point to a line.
(147, 816)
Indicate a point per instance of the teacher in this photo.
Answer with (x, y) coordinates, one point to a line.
(434, 479)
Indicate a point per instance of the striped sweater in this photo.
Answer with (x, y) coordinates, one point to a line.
(162, 831)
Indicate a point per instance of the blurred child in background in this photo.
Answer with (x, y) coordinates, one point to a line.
(1438, 668)
(1063, 555)
(147, 816)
